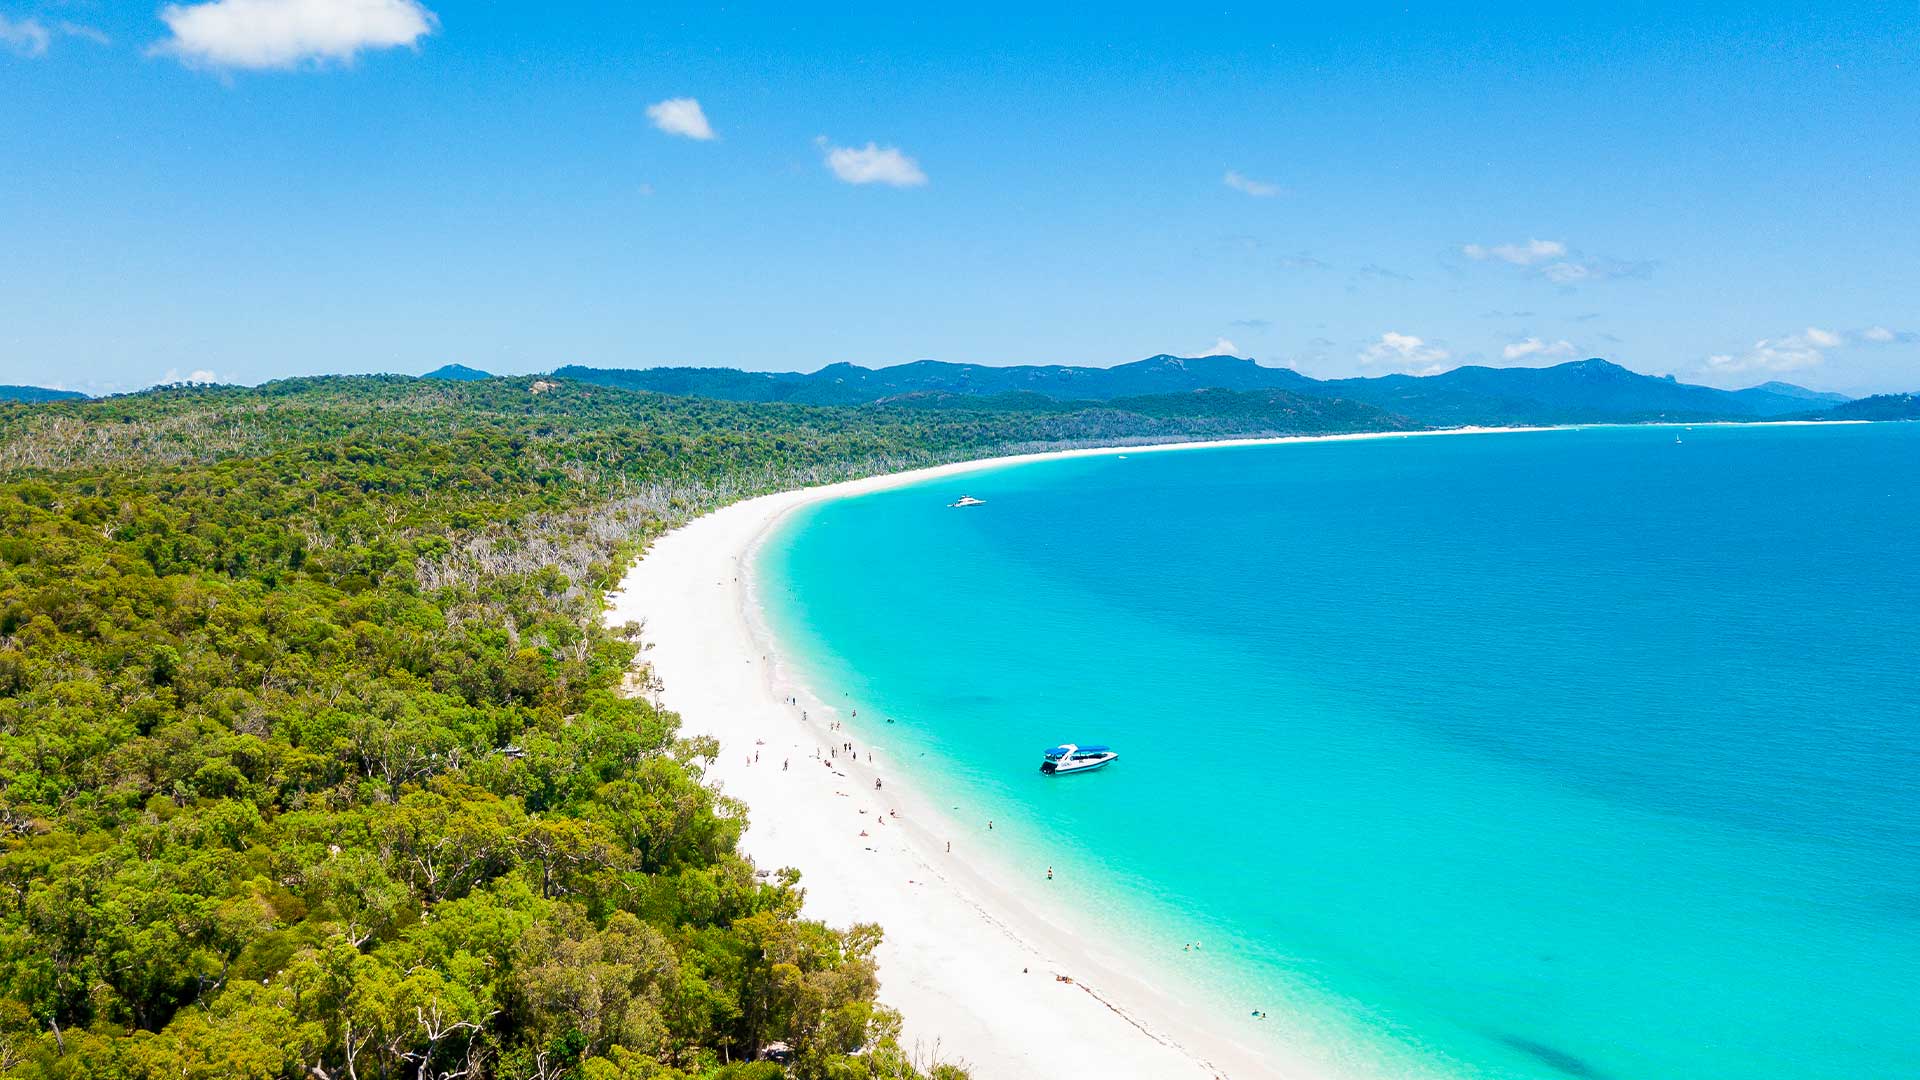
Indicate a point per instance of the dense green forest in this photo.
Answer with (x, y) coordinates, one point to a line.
(314, 760)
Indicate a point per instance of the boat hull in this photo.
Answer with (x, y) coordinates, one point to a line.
(1052, 768)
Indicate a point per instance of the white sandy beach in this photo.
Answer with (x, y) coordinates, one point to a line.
(972, 961)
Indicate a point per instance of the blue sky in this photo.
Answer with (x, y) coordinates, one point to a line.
(247, 189)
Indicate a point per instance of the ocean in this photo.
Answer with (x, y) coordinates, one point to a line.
(1581, 753)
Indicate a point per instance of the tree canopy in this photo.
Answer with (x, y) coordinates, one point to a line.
(314, 756)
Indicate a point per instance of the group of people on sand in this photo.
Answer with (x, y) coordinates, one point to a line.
(833, 753)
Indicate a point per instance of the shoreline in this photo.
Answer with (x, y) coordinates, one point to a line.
(973, 963)
(970, 957)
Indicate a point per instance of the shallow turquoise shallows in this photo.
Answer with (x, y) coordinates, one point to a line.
(1588, 754)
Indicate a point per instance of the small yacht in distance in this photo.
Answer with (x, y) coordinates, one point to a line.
(1069, 758)
(968, 500)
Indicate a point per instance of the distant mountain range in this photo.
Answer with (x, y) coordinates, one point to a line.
(1787, 389)
(1239, 389)
(1582, 391)
(38, 393)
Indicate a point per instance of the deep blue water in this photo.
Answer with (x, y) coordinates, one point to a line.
(1565, 754)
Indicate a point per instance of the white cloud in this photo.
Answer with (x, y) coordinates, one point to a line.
(1404, 352)
(287, 33)
(97, 36)
(1566, 273)
(199, 375)
(1220, 347)
(1804, 349)
(28, 37)
(681, 116)
(1526, 254)
(1257, 188)
(1533, 346)
(873, 164)
(1789, 352)
(1556, 261)
(31, 38)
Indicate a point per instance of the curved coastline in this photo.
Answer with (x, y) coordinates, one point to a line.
(974, 963)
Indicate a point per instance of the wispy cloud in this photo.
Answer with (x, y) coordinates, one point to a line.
(1385, 273)
(1220, 347)
(872, 164)
(89, 33)
(1527, 254)
(1533, 346)
(681, 116)
(1253, 324)
(31, 38)
(1807, 348)
(1259, 189)
(1556, 261)
(25, 37)
(1880, 335)
(1404, 352)
(259, 34)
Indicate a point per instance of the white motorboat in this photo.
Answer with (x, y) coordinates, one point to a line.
(1071, 758)
(968, 500)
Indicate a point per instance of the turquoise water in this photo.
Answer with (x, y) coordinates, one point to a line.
(1562, 754)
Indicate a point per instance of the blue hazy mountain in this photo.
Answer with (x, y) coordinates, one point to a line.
(1582, 391)
(38, 393)
(457, 373)
(1787, 389)
(851, 384)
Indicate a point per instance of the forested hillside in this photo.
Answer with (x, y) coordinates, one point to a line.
(314, 760)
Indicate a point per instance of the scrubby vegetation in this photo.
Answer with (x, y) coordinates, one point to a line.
(314, 760)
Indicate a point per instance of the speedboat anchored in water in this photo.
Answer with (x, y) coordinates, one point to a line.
(1069, 758)
(968, 500)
